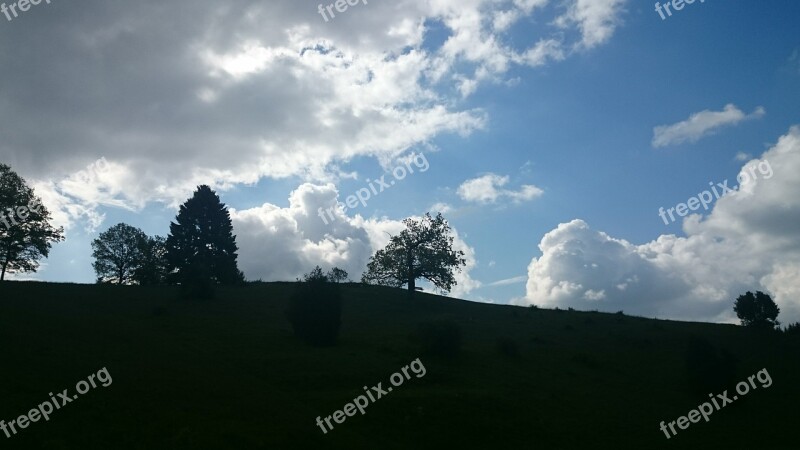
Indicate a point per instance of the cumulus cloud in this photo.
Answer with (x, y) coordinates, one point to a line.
(749, 241)
(227, 94)
(281, 244)
(700, 125)
(487, 189)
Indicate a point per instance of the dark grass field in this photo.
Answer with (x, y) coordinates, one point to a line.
(229, 374)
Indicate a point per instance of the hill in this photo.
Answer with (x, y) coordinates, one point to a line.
(229, 374)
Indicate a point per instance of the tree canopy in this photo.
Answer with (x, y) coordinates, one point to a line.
(124, 254)
(757, 310)
(201, 243)
(118, 253)
(423, 250)
(26, 234)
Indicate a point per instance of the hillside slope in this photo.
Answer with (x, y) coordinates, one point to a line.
(229, 374)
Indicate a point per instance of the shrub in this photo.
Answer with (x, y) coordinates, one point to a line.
(315, 310)
(507, 347)
(440, 338)
(709, 369)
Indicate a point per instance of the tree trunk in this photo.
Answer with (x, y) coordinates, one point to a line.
(412, 281)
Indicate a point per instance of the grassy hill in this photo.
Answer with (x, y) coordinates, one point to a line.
(229, 374)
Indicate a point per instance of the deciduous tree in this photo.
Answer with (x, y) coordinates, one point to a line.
(423, 250)
(26, 234)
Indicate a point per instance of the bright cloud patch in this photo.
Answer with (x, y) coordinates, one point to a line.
(748, 242)
(281, 244)
(488, 189)
(701, 124)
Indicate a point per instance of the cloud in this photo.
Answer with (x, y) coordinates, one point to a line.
(749, 241)
(596, 19)
(486, 189)
(508, 281)
(281, 244)
(230, 94)
(700, 125)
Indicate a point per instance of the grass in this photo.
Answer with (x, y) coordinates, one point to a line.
(228, 374)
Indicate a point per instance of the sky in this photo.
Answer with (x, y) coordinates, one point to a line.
(578, 148)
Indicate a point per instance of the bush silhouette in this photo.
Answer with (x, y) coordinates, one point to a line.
(315, 310)
(440, 338)
(709, 369)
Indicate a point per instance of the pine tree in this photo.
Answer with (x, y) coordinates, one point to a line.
(201, 247)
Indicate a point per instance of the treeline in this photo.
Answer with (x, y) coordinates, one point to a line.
(200, 251)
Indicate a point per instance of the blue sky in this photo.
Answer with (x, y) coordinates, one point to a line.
(539, 132)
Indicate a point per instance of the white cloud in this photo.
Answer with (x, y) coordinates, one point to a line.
(281, 244)
(508, 281)
(487, 189)
(701, 124)
(750, 241)
(596, 19)
(257, 90)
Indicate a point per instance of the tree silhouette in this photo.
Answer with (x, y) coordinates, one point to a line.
(757, 311)
(201, 247)
(423, 250)
(336, 275)
(119, 252)
(153, 269)
(26, 234)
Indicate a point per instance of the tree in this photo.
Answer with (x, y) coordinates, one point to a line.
(337, 275)
(423, 250)
(153, 269)
(26, 234)
(201, 247)
(119, 252)
(757, 311)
